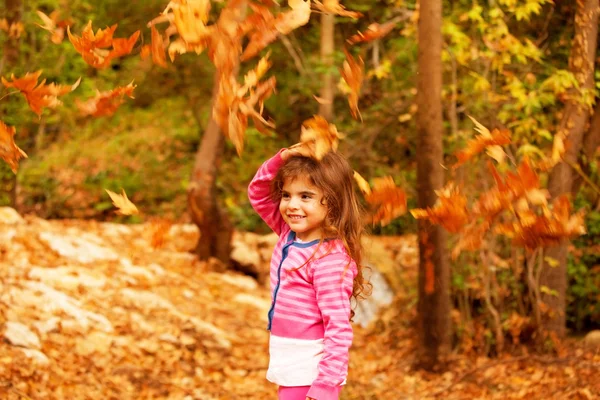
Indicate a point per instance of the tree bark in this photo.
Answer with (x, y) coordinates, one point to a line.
(215, 228)
(572, 126)
(327, 48)
(591, 141)
(434, 296)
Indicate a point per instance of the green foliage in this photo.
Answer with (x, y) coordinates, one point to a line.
(147, 152)
(583, 268)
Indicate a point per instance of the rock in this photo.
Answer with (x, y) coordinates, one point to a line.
(45, 298)
(66, 278)
(20, 335)
(261, 304)
(592, 340)
(247, 257)
(45, 327)
(95, 342)
(241, 281)
(36, 355)
(9, 216)
(381, 296)
(138, 272)
(84, 248)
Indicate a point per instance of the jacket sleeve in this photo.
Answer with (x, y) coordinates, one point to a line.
(259, 193)
(333, 280)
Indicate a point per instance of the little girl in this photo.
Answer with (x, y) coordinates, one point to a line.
(315, 269)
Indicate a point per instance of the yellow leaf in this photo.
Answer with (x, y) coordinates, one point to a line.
(363, 185)
(497, 153)
(124, 205)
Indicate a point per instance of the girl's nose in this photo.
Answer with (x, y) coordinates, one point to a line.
(293, 204)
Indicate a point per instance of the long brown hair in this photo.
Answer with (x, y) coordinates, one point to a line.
(334, 177)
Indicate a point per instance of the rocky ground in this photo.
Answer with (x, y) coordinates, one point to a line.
(94, 310)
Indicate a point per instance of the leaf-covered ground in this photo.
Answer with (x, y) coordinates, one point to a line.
(93, 311)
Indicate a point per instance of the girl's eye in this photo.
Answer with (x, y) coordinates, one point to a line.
(306, 197)
(285, 196)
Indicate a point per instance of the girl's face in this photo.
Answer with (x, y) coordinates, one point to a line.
(301, 208)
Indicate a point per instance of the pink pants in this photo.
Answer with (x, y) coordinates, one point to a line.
(295, 392)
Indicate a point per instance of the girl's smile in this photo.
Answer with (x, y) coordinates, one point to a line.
(302, 209)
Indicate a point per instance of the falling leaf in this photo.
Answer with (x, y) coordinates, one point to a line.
(321, 100)
(40, 95)
(334, 7)
(53, 25)
(14, 30)
(363, 185)
(374, 31)
(388, 200)
(481, 142)
(158, 48)
(266, 27)
(471, 238)
(9, 151)
(146, 51)
(190, 18)
(497, 153)
(105, 103)
(449, 211)
(124, 205)
(94, 46)
(353, 73)
(324, 135)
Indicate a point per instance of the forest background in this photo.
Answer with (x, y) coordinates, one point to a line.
(505, 63)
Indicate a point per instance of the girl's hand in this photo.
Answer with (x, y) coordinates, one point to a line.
(309, 398)
(299, 149)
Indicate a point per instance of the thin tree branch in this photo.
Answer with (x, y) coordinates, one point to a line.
(294, 54)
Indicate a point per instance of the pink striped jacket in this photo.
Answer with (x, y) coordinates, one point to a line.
(310, 309)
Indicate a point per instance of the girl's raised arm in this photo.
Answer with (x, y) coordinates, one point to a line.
(259, 193)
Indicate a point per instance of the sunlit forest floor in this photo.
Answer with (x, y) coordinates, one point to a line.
(107, 311)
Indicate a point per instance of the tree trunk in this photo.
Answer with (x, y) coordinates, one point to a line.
(591, 141)
(10, 57)
(212, 221)
(434, 296)
(327, 47)
(572, 126)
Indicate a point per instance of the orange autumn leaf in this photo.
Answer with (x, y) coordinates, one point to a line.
(40, 95)
(105, 103)
(94, 46)
(236, 103)
(481, 142)
(322, 135)
(334, 7)
(449, 211)
(533, 231)
(190, 18)
(471, 238)
(266, 28)
(9, 151)
(158, 48)
(146, 51)
(353, 73)
(14, 30)
(53, 25)
(525, 184)
(374, 31)
(123, 204)
(388, 200)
